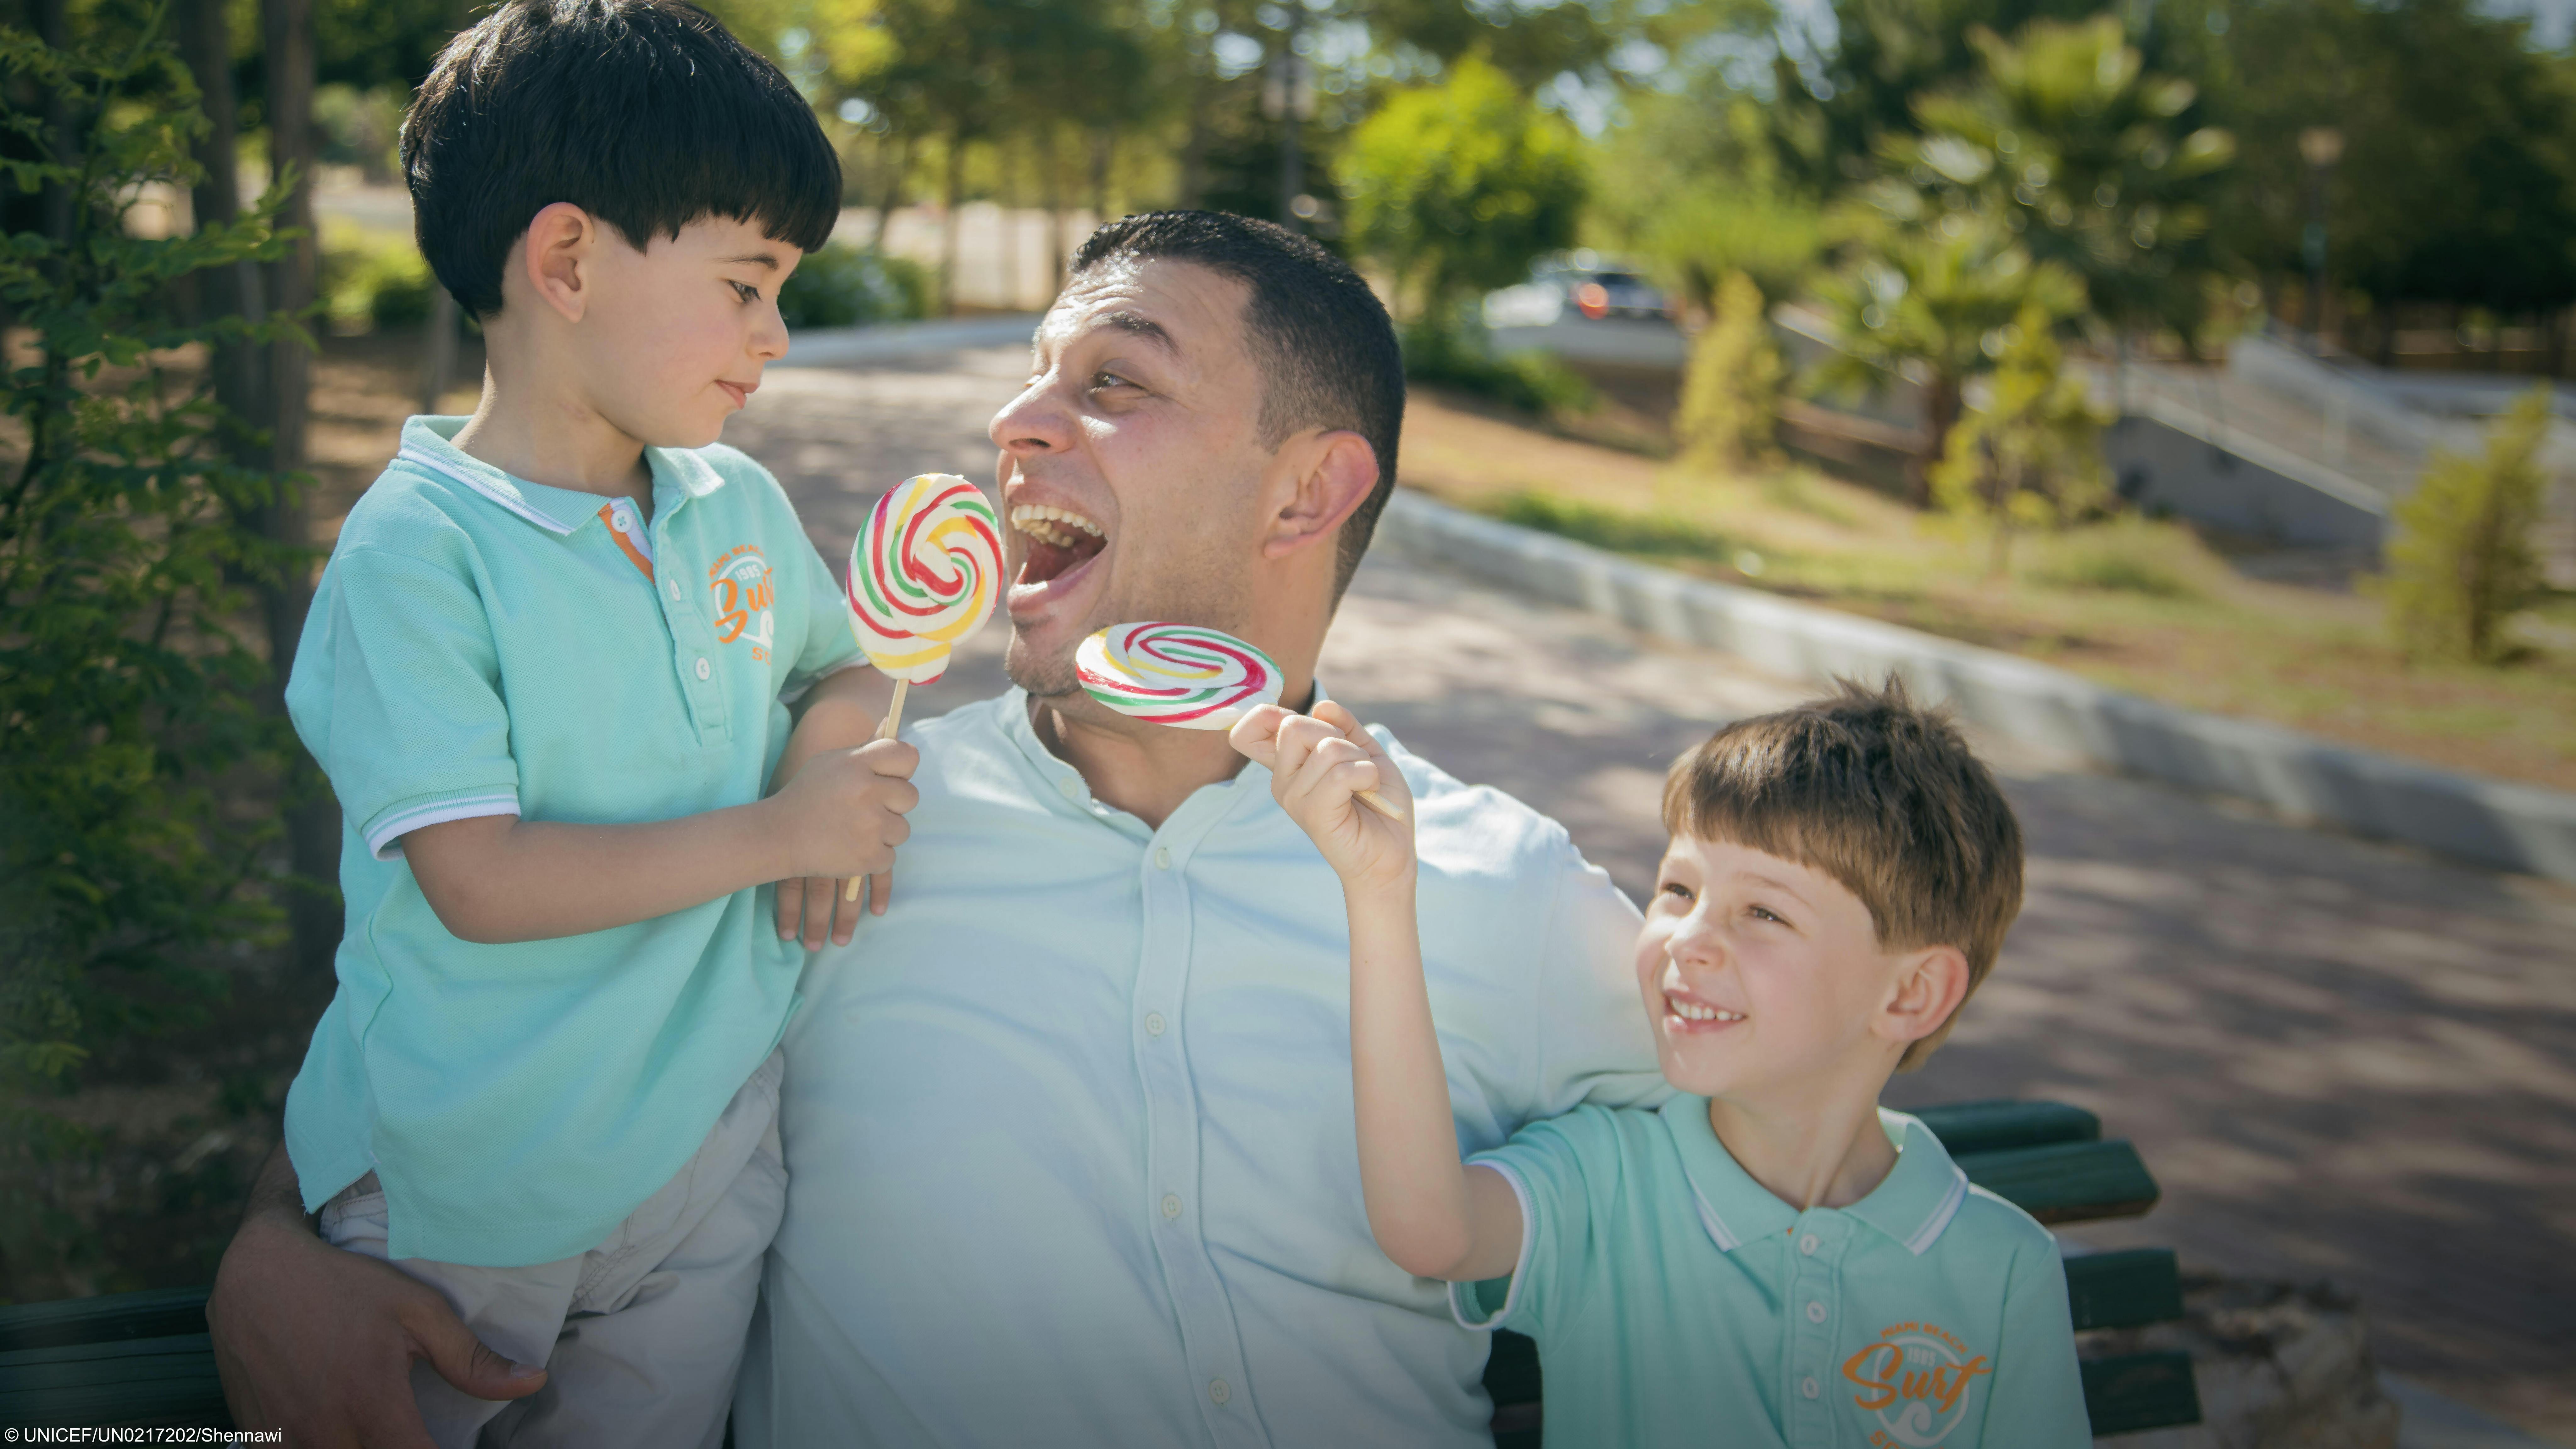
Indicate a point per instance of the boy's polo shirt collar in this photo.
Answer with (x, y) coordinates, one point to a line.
(1912, 1207)
(429, 443)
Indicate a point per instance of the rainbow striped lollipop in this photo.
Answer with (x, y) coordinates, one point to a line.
(923, 575)
(1184, 676)
(1176, 674)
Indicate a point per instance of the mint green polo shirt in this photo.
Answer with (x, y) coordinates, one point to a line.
(1676, 1301)
(484, 645)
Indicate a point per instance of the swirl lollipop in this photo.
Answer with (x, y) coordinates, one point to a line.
(1184, 676)
(923, 575)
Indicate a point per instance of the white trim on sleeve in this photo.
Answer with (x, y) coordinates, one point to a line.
(385, 841)
(1461, 1294)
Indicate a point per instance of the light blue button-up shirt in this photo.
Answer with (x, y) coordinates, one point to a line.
(483, 645)
(1069, 1129)
(1678, 1302)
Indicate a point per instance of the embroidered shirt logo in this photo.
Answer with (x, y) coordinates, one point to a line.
(743, 591)
(1912, 1385)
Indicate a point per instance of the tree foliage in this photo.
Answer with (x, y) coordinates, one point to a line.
(1457, 187)
(1730, 405)
(2032, 456)
(2094, 162)
(129, 675)
(2460, 561)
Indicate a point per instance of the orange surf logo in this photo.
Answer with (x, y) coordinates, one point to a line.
(744, 593)
(1913, 1385)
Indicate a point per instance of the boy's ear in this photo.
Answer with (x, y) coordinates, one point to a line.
(1930, 984)
(556, 256)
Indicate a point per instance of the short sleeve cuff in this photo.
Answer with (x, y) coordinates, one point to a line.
(799, 689)
(384, 831)
(1465, 1303)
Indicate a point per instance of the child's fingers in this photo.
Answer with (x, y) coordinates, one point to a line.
(880, 895)
(1390, 780)
(1256, 735)
(1297, 738)
(822, 895)
(1327, 769)
(791, 907)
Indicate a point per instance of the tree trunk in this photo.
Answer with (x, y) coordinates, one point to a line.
(1940, 410)
(892, 195)
(312, 821)
(951, 186)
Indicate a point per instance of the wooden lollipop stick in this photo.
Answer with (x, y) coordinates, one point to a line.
(893, 722)
(1377, 802)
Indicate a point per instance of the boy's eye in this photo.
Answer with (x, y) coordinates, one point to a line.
(1676, 888)
(744, 291)
(1764, 913)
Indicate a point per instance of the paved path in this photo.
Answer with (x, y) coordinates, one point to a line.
(2343, 1060)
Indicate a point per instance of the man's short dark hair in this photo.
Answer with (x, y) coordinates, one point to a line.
(1327, 352)
(644, 113)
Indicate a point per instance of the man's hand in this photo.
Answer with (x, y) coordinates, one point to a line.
(836, 717)
(319, 1342)
(1319, 764)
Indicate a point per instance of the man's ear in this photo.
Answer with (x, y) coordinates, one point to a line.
(1333, 474)
(1930, 984)
(556, 258)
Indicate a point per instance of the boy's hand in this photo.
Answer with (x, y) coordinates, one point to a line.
(836, 717)
(843, 816)
(1319, 763)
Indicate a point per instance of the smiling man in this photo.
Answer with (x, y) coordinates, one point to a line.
(1069, 1129)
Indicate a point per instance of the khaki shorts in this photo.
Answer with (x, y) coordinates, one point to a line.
(641, 1336)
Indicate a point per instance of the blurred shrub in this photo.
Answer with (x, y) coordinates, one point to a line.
(1730, 406)
(2129, 555)
(373, 279)
(1459, 356)
(2460, 560)
(1616, 529)
(845, 286)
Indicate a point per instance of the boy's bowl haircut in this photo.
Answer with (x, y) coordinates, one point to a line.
(1884, 796)
(644, 113)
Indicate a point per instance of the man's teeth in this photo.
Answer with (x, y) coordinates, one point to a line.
(1692, 1011)
(1052, 525)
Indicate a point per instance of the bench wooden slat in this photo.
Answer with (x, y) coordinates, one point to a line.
(2123, 1289)
(159, 1313)
(2069, 1182)
(2140, 1391)
(2000, 1125)
(136, 1381)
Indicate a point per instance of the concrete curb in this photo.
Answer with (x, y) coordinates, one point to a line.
(2493, 822)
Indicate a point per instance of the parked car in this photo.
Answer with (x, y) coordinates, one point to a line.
(1579, 281)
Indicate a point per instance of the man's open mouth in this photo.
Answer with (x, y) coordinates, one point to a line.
(1060, 542)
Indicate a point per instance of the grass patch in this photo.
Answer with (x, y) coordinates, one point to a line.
(2135, 604)
(2129, 555)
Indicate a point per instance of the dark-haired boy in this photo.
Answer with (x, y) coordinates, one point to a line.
(548, 672)
(1770, 1258)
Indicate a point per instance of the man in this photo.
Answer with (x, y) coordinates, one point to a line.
(1069, 1130)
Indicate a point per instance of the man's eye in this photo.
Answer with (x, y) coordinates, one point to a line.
(1109, 380)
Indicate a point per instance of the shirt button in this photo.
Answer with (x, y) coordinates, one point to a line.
(673, 587)
(1815, 1313)
(1162, 857)
(1218, 1391)
(1069, 787)
(1153, 1023)
(1171, 1206)
(1807, 1245)
(704, 668)
(1811, 1388)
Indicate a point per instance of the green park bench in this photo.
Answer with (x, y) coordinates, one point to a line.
(144, 1358)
